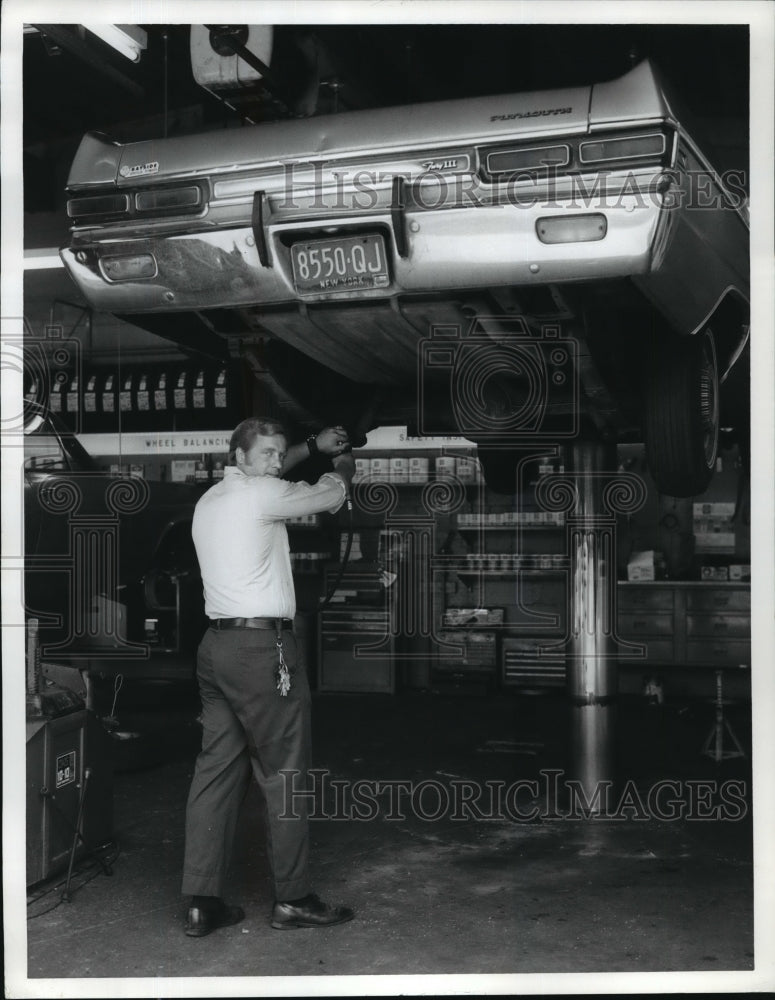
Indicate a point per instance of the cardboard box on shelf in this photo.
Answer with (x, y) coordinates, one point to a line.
(466, 469)
(714, 573)
(648, 565)
(717, 541)
(714, 528)
(445, 467)
(379, 470)
(418, 469)
(398, 470)
(182, 470)
(717, 510)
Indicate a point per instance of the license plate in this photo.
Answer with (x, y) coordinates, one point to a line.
(345, 264)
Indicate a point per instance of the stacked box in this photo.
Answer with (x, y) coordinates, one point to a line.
(182, 470)
(379, 470)
(398, 470)
(418, 470)
(714, 573)
(445, 466)
(465, 469)
(641, 566)
(714, 529)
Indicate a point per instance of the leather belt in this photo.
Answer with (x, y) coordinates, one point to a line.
(278, 624)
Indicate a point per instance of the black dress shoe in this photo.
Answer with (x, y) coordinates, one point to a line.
(204, 920)
(308, 912)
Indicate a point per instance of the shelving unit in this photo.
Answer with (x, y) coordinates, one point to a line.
(530, 586)
(484, 554)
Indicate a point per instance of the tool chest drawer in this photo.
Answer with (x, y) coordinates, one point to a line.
(646, 597)
(718, 599)
(738, 626)
(718, 652)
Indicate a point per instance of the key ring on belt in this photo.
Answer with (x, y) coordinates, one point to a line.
(283, 675)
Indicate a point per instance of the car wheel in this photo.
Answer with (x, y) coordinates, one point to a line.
(681, 415)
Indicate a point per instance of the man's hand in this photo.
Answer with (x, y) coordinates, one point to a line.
(345, 466)
(332, 441)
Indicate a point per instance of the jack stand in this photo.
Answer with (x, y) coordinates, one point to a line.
(714, 744)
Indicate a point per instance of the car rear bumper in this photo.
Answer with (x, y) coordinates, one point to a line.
(454, 248)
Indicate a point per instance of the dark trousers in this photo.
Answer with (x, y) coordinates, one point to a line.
(248, 727)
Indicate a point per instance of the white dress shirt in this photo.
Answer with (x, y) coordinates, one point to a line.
(242, 545)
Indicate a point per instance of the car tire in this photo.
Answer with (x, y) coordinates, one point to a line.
(681, 415)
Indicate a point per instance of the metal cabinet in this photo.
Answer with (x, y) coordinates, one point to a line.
(688, 624)
(356, 651)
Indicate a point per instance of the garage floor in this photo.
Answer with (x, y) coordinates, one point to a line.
(432, 895)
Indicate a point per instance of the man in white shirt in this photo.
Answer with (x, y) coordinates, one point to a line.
(253, 685)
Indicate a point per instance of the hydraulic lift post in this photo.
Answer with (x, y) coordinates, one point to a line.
(591, 677)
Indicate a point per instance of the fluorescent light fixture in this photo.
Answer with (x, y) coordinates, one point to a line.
(127, 39)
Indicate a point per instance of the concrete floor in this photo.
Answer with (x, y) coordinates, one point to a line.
(432, 896)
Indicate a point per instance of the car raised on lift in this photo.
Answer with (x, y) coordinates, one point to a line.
(516, 268)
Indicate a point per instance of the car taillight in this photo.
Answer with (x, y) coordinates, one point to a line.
(518, 162)
(628, 147)
(156, 201)
(102, 204)
(509, 161)
(165, 199)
